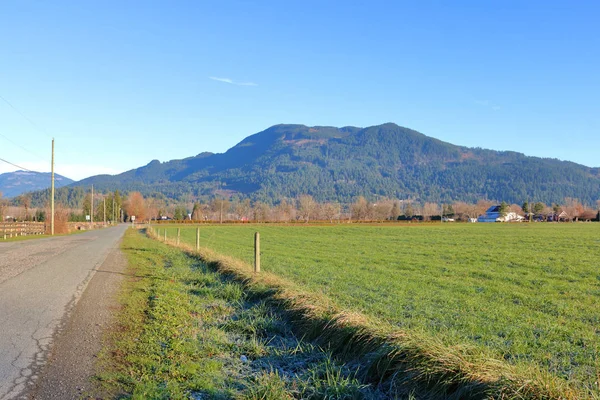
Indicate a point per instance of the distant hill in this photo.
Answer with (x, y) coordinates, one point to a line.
(13, 184)
(338, 164)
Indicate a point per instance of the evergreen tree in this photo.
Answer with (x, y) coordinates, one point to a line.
(504, 209)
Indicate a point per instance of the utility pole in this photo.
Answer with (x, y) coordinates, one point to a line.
(92, 207)
(52, 193)
(221, 213)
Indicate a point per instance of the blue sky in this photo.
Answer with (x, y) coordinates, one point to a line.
(121, 83)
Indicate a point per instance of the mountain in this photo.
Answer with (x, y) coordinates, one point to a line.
(338, 164)
(13, 184)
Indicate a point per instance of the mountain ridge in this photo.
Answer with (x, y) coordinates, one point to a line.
(339, 164)
(15, 183)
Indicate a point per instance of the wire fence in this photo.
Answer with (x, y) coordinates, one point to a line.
(13, 229)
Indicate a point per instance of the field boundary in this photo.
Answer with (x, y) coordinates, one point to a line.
(415, 365)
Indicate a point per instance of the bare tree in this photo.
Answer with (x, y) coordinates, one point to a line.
(330, 211)
(482, 206)
(306, 207)
(284, 211)
(572, 208)
(395, 212)
(361, 209)
(409, 211)
(220, 207)
(154, 207)
(465, 210)
(382, 210)
(25, 201)
(517, 209)
(242, 209)
(2, 208)
(261, 211)
(430, 210)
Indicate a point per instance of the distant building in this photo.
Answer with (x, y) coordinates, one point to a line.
(493, 215)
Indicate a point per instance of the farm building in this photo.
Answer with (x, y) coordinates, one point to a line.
(493, 215)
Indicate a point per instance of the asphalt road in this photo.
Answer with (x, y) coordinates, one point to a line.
(40, 283)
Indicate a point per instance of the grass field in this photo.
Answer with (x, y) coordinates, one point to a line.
(185, 331)
(523, 293)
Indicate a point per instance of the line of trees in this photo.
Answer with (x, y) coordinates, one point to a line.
(306, 209)
(302, 209)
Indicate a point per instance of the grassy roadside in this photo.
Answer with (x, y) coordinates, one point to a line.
(44, 236)
(34, 237)
(187, 332)
(408, 362)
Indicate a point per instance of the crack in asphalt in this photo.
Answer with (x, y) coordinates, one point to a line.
(31, 292)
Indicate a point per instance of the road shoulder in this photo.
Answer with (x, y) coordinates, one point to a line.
(71, 363)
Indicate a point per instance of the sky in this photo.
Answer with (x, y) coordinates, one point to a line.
(120, 83)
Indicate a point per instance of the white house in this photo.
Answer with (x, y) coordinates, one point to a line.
(493, 215)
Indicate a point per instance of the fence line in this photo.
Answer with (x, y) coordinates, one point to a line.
(12, 229)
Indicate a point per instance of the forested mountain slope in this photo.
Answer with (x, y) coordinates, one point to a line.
(338, 164)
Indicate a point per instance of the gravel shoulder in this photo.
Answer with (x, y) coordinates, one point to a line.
(70, 365)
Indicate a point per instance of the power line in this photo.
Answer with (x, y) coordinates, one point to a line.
(24, 116)
(23, 148)
(18, 166)
(28, 120)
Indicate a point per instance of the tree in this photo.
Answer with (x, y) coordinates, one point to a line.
(40, 216)
(242, 209)
(382, 210)
(197, 212)
(361, 209)
(26, 203)
(395, 211)
(572, 208)
(538, 207)
(155, 207)
(135, 205)
(284, 211)
(504, 209)
(330, 211)
(408, 210)
(482, 206)
(525, 207)
(306, 207)
(220, 207)
(180, 213)
(515, 208)
(2, 208)
(430, 210)
(261, 211)
(87, 205)
(118, 205)
(447, 210)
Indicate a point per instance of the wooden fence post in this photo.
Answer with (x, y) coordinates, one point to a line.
(198, 239)
(178, 235)
(257, 252)
(165, 235)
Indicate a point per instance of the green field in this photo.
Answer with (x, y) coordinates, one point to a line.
(524, 293)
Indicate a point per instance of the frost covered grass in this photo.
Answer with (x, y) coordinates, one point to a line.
(523, 294)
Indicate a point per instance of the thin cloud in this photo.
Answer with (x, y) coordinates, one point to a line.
(232, 82)
(487, 103)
